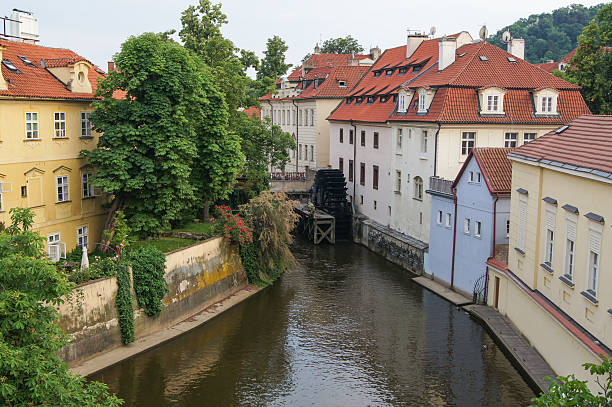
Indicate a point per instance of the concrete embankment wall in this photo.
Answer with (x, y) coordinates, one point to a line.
(196, 277)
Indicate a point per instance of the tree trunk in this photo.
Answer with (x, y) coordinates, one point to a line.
(206, 211)
(109, 224)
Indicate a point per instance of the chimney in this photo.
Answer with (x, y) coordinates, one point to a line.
(414, 40)
(111, 66)
(3, 84)
(317, 50)
(516, 46)
(374, 53)
(447, 47)
(24, 27)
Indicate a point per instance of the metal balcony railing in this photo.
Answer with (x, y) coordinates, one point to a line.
(441, 185)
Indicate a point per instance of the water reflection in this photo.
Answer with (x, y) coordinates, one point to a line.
(345, 329)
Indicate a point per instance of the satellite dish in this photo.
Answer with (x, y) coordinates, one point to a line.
(432, 31)
(506, 37)
(483, 33)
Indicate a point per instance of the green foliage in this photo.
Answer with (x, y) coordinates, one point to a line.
(591, 66)
(148, 267)
(549, 35)
(125, 302)
(346, 45)
(273, 65)
(31, 373)
(120, 235)
(568, 391)
(164, 244)
(207, 229)
(249, 257)
(100, 267)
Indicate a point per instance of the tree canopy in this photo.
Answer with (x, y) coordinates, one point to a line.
(273, 65)
(591, 66)
(31, 373)
(346, 45)
(549, 36)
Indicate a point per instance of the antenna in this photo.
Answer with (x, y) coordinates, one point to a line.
(432, 31)
(506, 37)
(483, 33)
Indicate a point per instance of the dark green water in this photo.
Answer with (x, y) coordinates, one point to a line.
(346, 329)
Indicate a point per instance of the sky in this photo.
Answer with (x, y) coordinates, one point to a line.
(95, 29)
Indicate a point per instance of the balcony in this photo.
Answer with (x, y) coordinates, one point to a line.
(440, 185)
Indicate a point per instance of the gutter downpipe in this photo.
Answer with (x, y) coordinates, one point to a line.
(436, 151)
(452, 282)
(486, 290)
(354, 161)
(297, 134)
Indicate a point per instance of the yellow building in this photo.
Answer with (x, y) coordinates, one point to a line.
(557, 285)
(45, 102)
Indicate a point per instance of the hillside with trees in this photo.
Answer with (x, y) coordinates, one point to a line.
(549, 36)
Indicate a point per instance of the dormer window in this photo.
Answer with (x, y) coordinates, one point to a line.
(546, 101)
(389, 72)
(359, 100)
(491, 100)
(383, 99)
(493, 103)
(376, 74)
(403, 70)
(370, 99)
(422, 102)
(401, 106)
(342, 84)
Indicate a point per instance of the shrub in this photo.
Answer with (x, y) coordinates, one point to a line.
(234, 229)
(124, 303)
(148, 267)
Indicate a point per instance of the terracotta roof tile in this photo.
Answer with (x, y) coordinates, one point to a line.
(586, 145)
(253, 111)
(331, 88)
(325, 61)
(496, 167)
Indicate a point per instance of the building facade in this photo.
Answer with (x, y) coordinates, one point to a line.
(45, 103)
(556, 284)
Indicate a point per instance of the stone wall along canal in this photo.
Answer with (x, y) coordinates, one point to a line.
(347, 328)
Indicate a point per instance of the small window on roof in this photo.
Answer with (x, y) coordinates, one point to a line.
(461, 55)
(389, 72)
(511, 59)
(403, 70)
(370, 99)
(348, 101)
(483, 58)
(376, 74)
(359, 100)
(561, 129)
(26, 60)
(10, 66)
(383, 99)
(342, 84)
(417, 68)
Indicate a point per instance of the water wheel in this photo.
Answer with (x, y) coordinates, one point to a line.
(329, 194)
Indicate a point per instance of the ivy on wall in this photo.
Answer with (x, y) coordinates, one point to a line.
(124, 302)
(148, 266)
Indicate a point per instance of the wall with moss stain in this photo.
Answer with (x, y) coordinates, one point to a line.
(196, 276)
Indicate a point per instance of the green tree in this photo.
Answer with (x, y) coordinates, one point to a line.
(31, 373)
(591, 66)
(273, 65)
(569, 391)
(346, 45)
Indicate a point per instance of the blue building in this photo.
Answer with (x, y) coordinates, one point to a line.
(470, 219)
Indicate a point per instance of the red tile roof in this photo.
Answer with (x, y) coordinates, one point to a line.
(548, 66)
(331, 88)
(325, 61)
(37, 82)
(253, 111)
(586, 146)
(496, 168)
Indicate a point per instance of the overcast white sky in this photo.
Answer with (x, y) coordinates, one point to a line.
(96, 28)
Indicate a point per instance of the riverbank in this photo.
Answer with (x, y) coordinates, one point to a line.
(150, 341)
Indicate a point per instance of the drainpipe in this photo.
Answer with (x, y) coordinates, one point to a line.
(436, 151)
(354, 161)
(452, 282)
(297, 135)
(494, 222)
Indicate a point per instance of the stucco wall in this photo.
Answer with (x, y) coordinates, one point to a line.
(196, 277)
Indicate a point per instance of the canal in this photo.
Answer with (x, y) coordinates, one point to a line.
(346, 328)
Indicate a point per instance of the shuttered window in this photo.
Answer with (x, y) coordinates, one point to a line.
(550, 234)
(570, 246)
(522, 222)
(595, 232)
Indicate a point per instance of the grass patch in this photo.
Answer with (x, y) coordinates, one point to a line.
(165, 244)
(207, 228)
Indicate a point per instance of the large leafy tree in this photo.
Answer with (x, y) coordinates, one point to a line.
(273, 64)
(31, 373)
(549, 35)
(591, 66)
(346, 45)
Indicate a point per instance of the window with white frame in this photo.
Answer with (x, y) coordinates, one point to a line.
(56, 248)
(466, 226)
(424, 142)
(83, 236)
(422, 100)
(62, 188)
(439, 218)
(85, 125)
(527, 137)
(312, 153)
(546, 105)
(510, 140)
(522, 222)
(300, 152)
(477, 228)
(31, 125)
(283, 114)
(418, 188)
(550, 234)
(306, 152)
(570, 244)
(468, 139)
(312, 117)
(401, 104)
(398, 181)
(88, 189)
(449, 219)
(545, 101)
(493, 103)
(594, 257)
(399, 141)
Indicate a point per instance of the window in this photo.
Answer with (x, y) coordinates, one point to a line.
(31, 122)
(306, 152)
(471, 176)
(62, 188)
(312, 117)
(24, 191)
(550, 234)
(466, 226)
(439, 218)
(398, 181)
(342, 84)
(375, 205)
(467, 142)
(389, 210)
(362, 138)
(300, 152)
(399, 140)
(508, 228)
(293, 114)
(375, 176)
(547, 104)
(85, 125)
(401, 104)
(510, 140)
(56, 248)
(570, 243)
(88, 190)
(418, 188)
(82, 236)
(522, 222)
(361, 199)
(375, 139)
(341, 135)
(312, 157)
(477, 228)
(424, 142)
(595, 232)
(527, 137)
(351, 135)
(362, 174)
(341, 164)
(493, 103)
(449, 219)
(422, 102)
(300, 117)
(283, 117)
(350, 169)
